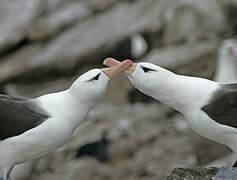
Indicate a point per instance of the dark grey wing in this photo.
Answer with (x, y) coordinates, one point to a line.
(223, 106)
(18, 115)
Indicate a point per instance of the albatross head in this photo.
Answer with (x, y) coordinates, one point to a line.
(228, 47)
(91, 85)
(146, 77)
(227, 62)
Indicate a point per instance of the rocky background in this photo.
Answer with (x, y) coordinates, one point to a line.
(46, 44)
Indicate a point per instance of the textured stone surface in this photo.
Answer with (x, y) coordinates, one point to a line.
(225, 173)
(195, 173)
(98, 35)
(180, 55)
(54, 22)
(189, 21)
(16, 16)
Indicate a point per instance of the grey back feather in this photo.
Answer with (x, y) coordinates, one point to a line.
(17, 115)
(223, 105)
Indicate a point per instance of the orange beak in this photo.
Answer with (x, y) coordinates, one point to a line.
(111, 62)
(117, 68)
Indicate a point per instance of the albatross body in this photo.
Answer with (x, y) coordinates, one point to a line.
(31, 128)
(209, 107)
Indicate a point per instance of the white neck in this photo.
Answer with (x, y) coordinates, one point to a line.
(184, 92)
(68, 106)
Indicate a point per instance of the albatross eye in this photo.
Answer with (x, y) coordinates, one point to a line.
(145, 69)
(95, 78)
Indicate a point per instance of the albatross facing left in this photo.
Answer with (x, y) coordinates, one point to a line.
(209, 107)
(31, 128)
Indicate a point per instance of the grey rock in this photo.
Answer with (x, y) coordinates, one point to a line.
(230, 10)
(16, 64)
(15, 17)
(196, 173)
(174, 56)
(189, 21)
(85, 43)
(228, 2)
(78, 170)
(55, 21)
(194, 59)
(225, 173)
(98, 35)
(53, 5)
(100, 5)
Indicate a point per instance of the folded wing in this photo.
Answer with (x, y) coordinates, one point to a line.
(223, 106)
(18, 115)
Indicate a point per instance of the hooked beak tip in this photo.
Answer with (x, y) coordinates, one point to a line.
(115, 70)
(131, 69)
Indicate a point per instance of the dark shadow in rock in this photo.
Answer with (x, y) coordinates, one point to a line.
(133, 47)
(211, 152)
(230, 10)
(98, 149)
(135, 96)
(122, 50)
(17, 46)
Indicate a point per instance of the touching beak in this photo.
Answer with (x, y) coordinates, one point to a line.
(111, 62)
(118, 68)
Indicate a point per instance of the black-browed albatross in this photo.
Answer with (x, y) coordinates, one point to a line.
(209, 107)
(31, 128)
(226, 69)
(226, 73)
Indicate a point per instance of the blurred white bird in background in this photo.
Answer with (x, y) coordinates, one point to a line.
(226, 69)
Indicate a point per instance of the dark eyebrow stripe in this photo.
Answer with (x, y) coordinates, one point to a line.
(146, 69)
(95, 77)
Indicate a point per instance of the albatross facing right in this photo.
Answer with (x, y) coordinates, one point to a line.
(31, 128)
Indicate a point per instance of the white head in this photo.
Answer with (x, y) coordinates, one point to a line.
(149, 78)
(228, 47)
(226, 70)
(90, 86)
